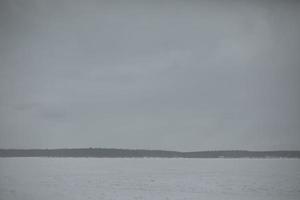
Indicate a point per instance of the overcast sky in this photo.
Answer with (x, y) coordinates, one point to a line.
(180, 75)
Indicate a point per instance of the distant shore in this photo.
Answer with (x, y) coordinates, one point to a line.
(138, 153)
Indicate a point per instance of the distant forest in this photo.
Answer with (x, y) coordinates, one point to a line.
(139, 153)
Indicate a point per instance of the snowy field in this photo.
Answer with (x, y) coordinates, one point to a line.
(151, 179)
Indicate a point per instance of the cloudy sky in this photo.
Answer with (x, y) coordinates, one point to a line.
(180, 75)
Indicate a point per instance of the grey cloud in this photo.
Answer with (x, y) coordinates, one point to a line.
(172, 75)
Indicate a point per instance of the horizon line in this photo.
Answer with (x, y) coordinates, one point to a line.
(140, 149)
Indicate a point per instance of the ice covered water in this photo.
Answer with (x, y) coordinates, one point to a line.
(148, 178)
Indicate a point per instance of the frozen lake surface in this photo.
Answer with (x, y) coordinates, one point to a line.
(149, 178)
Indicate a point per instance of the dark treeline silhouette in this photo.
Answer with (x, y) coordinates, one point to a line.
(127, 153)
